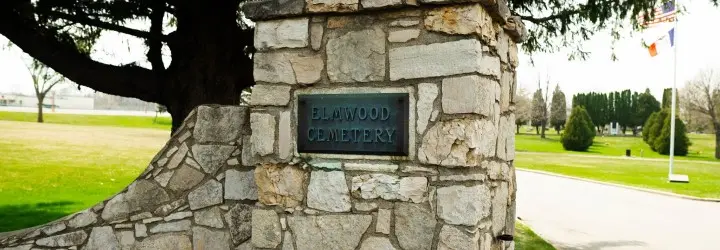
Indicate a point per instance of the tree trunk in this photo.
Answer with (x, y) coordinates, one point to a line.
(209, 65)
(40, 110)
(537, 130)
(517, 129)
(717, 139)
(542, 131)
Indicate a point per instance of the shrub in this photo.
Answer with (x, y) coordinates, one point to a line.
(647, 125)
(656, 127)
(662, 141)
(579, 131)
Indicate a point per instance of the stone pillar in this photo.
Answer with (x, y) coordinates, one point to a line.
(456, 187)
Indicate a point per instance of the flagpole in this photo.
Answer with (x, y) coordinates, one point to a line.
(672, 108)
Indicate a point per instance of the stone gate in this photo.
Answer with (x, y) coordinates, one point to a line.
(260, 177)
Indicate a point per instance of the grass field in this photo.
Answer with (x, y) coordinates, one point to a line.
(605, 162)
(92, 120)
(50, 170)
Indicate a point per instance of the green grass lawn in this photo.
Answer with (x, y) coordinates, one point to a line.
(702, 148)
(605, 162)
(525, 238)
(48, 171)
(94, 120)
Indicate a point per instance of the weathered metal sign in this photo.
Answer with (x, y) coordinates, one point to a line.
(368, 124)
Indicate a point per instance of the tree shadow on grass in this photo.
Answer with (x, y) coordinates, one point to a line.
(15, 217)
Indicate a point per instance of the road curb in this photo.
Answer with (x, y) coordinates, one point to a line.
(687, 197)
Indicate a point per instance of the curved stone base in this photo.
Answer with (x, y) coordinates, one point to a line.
(193, 195)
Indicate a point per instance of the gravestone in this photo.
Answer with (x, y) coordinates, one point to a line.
(373, 125)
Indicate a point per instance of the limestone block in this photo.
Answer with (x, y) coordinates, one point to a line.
(272, 8)
(328, 191)
(263, 133)
(468, 94)
(376, 243)
(460, 205)
(270, 95)
(506, 138)
(432, 60)
(63, 240)
(219, 124)
(211, 157)
(498, 9)
(338, 231)
(266, 232)
(168, 208)
(204, 238)
(515, 28)
(499, 208)
(502, 46)
(404, 23)
(284, 33)
(287, 67)
(288, 241)
(239, 220)
(316, 35)
(175, 161)
(116, 209)
(371, 186)
(414, 226)
(370, 4)
(370, 167)
(54, 228)
(332, 5)
(513, 53)
(401, 36)
(505, 85)
(82, 219)
(126, 239)
(208, 194)
(210, 217)
(427, 93)
(165, 241)
(164, 178)
(140, 230)
(280, 184)
(357, 56)
(462, 20)
(459, 142)
(366, 206)
(175, 226)
(240, 185)
(490, 66)
(285, 139)
(185, 178)
(102, 238)
(178, 216)
(453, 238)
(383, 221)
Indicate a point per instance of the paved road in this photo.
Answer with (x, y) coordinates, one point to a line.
(574, 214)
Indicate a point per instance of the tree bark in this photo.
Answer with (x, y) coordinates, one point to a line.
(40, 110)
(542, 131)
(716, 126)
(517, 129)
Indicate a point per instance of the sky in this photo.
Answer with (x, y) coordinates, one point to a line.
(695, 38)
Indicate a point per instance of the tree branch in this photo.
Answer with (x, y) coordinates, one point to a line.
(61, 54)
(154, 54)
(105, 25)
(561, 14)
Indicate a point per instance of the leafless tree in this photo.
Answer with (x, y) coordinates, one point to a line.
(44, 79)
(702, 94)
(523, 108)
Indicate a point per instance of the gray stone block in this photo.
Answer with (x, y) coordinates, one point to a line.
(440, 59)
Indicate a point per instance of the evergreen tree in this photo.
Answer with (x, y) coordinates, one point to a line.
(579, 132)
(656, 127)
(558, 109)
(661, 144)
(646, 105)
(538, 110)
(667, 98)
(647, 126)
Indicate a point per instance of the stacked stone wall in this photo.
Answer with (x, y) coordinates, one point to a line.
(454, 190)
(231, 177)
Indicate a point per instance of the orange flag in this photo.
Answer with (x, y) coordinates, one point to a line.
(653, 50)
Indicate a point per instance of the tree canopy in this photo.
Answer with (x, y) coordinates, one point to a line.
(211, 47)
(558, 109)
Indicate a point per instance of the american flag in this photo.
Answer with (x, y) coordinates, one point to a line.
(665, 13)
